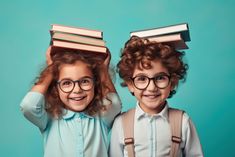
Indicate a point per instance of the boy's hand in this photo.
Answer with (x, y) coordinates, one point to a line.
(48, 56)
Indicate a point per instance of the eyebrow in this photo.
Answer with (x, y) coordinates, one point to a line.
(157, 74)
(69, 78)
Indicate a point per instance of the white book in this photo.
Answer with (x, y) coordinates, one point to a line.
(175, 40)
(179, 28)
(77, 30)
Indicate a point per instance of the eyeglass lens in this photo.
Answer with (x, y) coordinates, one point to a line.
(67, 85)
(142, 82)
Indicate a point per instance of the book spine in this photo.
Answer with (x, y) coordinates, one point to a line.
(77, 39)
(79, 31)
(84, 47)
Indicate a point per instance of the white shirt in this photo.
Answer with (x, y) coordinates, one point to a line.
(152, 136)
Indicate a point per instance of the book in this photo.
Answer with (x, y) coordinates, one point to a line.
(77, 39)
(97, 56)
(174, 40)
(77, 30)
(178, 28)
(78, 46)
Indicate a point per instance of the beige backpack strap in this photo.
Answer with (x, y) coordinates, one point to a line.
(128, 129)
(175, 120)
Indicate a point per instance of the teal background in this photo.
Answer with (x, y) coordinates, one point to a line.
(207, 95)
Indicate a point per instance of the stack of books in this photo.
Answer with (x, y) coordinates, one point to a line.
(78, 39)
(174, 35)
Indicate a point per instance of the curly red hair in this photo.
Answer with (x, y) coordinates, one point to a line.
(54, 105)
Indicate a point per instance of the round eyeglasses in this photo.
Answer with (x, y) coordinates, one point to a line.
(67, 85)
(141, 82)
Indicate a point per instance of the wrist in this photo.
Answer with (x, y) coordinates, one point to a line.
(43, 84)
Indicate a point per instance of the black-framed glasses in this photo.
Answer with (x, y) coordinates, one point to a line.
(161, 81)
(67, 85)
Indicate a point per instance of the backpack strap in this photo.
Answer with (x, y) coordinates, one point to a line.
(175, 120)
(128, 128)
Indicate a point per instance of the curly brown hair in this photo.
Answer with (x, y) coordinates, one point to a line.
(54, 105)
(139, 52)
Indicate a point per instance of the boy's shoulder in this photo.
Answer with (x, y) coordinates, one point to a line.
(119, 118)
(131, 112)
(185, 114)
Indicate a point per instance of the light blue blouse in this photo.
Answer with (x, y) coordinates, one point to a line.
(75, 134)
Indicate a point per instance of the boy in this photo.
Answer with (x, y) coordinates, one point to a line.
(152, 71)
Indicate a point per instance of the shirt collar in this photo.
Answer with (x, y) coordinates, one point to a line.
(141, 114)
(68, 114)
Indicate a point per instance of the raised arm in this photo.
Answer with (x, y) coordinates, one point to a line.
(33, 104)
(105, 77)
(42, 86)
(111, 98)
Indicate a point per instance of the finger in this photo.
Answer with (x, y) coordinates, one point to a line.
(108, 57)
(48, 56)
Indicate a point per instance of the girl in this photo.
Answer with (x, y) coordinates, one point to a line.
(73, 104)
(152, 71)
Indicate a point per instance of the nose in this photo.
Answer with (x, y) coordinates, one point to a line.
(151, 86)
(77, 88)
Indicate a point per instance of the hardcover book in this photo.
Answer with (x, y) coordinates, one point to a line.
(76, 30)
(78, 46)
(86, 41)
(77, 39)
(173, 29)
(175, 40)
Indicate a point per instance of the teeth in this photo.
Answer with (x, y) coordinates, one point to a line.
(77, 98)
(151, 96)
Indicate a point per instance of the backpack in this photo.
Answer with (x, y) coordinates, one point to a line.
(175, 120)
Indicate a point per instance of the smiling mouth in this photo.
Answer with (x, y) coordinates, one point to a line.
(77, 98)
(152, 96)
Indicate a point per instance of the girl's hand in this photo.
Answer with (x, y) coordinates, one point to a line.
(107, 59)
(48, 56)
(105, 77)
(42, 86)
